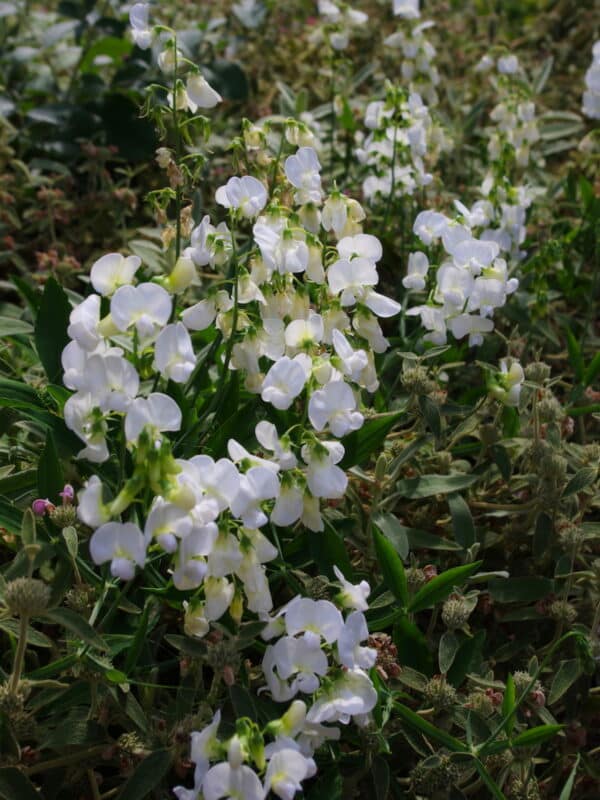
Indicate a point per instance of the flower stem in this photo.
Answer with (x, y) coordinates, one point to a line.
(19, 655)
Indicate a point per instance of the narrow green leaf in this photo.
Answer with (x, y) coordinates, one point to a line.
(575, 355)
(592, 370)
(391, 567)
(328, 551)
(51, 329)
(412, 646)
(77, 625)
(441, 586)
(393, 530)
(9, 326)
(427, 729)
(508, 705)
(565, 677)
(535, 736)
(585, 477)
(50, 477)
(568, 787)
(137, 644)
(463, 526)
(147, 776)
(431, 415)
(429, 485)
(28, 527)
(491, 784)
(468, 652)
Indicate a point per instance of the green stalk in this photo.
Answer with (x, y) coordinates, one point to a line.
(15, 678)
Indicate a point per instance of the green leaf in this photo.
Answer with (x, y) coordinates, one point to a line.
(34, 638)
(10, 326)
(413, 650)
(10, 516)
(19, 483)
(77, 625)
(592, 370)
(508, 705)
(14, 784)
(566, 675)
(429, 730)
(147, 776)
(242, 702)
(391, 567)
(535, 736)
(431, 414)
(50, 478)
(380, 771)
(448, 648)
(328, 551)
(520, 590)
(467, 654)
(360, 444)
(491, 784)
(441, 586)
(568, 787)
(28, 528)
(421, 540)
(585, 477)
(429, 485)
(542, 534)
(51, 329)
(135, 649)
(463, 526)
(393, 530)
(116, 49)
(71, 540)
(575, 355)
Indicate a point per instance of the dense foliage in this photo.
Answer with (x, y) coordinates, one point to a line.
(299, 400)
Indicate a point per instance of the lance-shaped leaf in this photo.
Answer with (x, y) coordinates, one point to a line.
(438, 589)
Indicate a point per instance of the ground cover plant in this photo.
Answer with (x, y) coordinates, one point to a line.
(299, 391)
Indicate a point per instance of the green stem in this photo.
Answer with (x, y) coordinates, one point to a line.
(19, 655)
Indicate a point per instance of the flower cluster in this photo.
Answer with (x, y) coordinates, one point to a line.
(319, 654)
(471, 279)
(402, 136)
(340, 20)
(591, 96)
(418, 71)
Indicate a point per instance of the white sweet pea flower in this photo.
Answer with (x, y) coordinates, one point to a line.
(285, 381)
(324, 479)
(286, 771)
(407, 9)
(191, 566)
(201, 315)
(239, 455)
(510, 382)
(201, 92)
(247, 195)
(354, 362)
(83, 323)
(352, 595)
(280, 249)
(218, 593)
(194, 624)
(173, 353)
(471, 325)
(84, 417)
(266, 435)
(350, 694)
(303, 334)
(235, 783)
(205, 746)
(147, 306)
(123, 544)
(289, 505)
(429, 226)
(354, 281)
(350, 652)
(91, 509)
(219, 482)
(210, 245)
(113, 270)
(474, 254)
(508, 65)
(300, 659)
(224, 556)
(319, 617)
(335, 213)
(303, 172)
(166, 523)
(157, 411)
(363, 245)
(140, 29)
(418, 264)
(257, 485)
(334, 406)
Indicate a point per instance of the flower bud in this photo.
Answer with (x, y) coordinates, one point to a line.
(182, 276)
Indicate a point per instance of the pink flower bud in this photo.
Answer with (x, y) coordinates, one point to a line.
(40, 506)
(67, 494)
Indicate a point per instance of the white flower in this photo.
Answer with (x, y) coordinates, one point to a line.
(351, 694)
(256, 485)
(319, 617)
(123, 544)
(418, 264)
(91, 508)
(284, 381)
(204, 746)
(210, 245)
(289, 505)
(472, 325)
(335, 406)
(84, 417)
(301, 659)
(363, 245)
(429, 226)
(246, 194)
(354, 362)
(147, 306)
(302, 171)
(138, 18)
(191, 565)
(286, 771)
(201, 93)
(194, 624)
(508, 65)
(354, 280)
(408, 9)
(352, 595)
(173, 353)
(511, 378)
(83, 323)
(324, 479)
(335, 213)
(157, 411)
(302, 334)
(236, 783)
(266, 434)
(113, 270)
(219, 594)
(350, 652)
